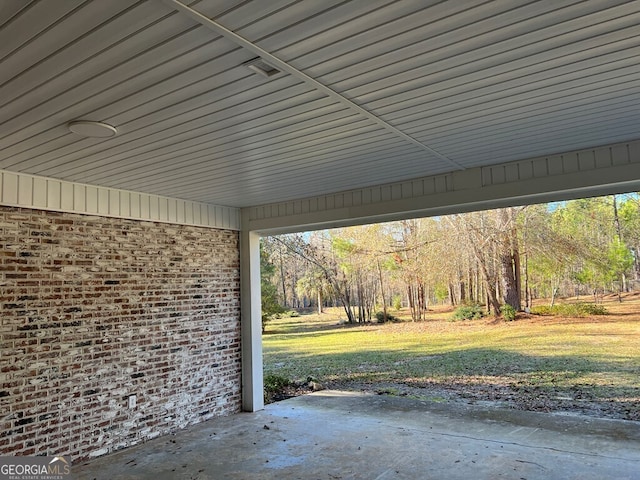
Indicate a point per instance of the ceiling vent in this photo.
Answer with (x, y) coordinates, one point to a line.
(259, 66)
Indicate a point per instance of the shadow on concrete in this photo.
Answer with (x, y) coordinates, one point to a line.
(347, 435)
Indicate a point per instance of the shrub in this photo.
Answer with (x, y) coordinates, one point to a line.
(593, 309)
(468, 312)
(287, 314)
(390, 318)
(397, 302)
(570, 310)
(508, 312)
(543, 310)
(274, 385)
(270, 307)
(275, 382)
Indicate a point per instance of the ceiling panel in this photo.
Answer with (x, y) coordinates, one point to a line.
(449, 56)
(283, 156)
(372, 91)
(225, 144)
(502, 124)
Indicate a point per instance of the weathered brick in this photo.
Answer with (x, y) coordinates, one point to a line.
(94, 310)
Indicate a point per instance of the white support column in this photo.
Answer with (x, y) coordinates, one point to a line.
(252, 376)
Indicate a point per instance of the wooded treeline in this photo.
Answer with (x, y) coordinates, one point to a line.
(585, 247)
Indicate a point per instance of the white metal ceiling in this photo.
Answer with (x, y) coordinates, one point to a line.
(378, 90)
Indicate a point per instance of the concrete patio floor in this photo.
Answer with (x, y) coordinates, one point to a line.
(347, 435)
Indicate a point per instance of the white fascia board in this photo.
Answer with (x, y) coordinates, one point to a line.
(603, 170)
(32, 191)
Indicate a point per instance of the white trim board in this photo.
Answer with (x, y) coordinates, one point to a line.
(596, 171)
(31, 191)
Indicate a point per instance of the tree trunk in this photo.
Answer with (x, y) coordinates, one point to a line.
(554, 292)
(384, 301)
(509, 283)
(518, 273)
(527, 297)
(359, 291)
(616, 221)
(492, 298)
(283, 279)
(417, 301)
(345, 299)
(616, 218)
(452, 296)
(477, 286)
(347, 310)
(411, 301)
(489, 282)
(509, 260)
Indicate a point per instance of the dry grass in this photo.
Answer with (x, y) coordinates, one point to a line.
(589, 365)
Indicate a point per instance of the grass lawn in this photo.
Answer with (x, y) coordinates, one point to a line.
(586, 365)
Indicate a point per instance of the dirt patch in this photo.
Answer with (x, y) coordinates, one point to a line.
(277, 393)
(518, 397)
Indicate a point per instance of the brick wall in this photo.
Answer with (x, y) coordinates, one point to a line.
(94, 310)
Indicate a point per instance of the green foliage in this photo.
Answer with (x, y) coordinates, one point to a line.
(274, 385)
(343, 246)
(270, 306)
(629, 212)
(619, 259)
(268, 291)
(441, 292)
(570, 310)
(314, 284)
(390, 318)
(397, 302)
(592, 309)
(389, 264)
(468, 312)
(542, 310)
(287, 314)
(273, 382)
(597, 257)
(508, 312)
(585, 276)
(345, 250)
